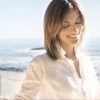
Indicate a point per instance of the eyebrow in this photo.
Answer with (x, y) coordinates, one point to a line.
(66, 22)
(79, 17)
(69, 22)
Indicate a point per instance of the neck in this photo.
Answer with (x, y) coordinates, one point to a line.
(70, 53)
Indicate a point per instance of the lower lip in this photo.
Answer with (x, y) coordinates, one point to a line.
(72, 37)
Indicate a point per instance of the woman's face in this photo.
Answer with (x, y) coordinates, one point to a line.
(71, 28)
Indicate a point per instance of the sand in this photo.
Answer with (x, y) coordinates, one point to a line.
(10, 82)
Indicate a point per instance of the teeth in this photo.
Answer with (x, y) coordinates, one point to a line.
(72, 36)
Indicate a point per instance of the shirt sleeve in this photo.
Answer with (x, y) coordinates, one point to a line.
(32, 82)
(91, 84)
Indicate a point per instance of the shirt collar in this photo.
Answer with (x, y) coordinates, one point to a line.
(63, 58)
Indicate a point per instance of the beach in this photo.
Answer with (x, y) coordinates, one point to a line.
(10, 82)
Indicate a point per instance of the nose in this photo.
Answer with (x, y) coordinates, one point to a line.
(74, 28)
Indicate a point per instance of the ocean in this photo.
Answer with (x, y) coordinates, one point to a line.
(16, 54)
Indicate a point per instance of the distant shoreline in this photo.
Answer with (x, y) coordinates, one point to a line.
(38, 48)
(12, 69)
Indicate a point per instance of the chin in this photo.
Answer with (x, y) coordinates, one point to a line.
(73, 43)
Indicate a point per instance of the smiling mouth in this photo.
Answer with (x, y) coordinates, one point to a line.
(73, 36)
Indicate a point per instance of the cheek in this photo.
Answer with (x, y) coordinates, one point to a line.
(62, 35)
(80, 28)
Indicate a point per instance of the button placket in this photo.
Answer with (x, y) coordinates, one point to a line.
(76, 77)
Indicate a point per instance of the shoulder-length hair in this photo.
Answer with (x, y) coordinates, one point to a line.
(53, 19)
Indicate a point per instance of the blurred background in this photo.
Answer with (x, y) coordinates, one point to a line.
(21, 37)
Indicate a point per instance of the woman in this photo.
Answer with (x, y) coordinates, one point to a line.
(63, 72)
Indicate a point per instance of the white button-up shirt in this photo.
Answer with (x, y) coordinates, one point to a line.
(48, 79)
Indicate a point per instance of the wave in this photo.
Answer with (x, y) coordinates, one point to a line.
(29, 52)
(20, 60)
(13, 69)
(24, 50)
(13, 65)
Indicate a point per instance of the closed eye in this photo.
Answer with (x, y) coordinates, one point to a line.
(78, 21)
(66, 26)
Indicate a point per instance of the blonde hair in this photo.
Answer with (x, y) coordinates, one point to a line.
(53, 18)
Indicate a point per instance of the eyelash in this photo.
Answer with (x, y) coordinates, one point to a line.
(66, 26)
(77, 22)
(69, 25)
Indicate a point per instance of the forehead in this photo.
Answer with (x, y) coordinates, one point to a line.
(71, 15)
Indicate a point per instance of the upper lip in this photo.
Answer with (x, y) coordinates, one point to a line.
(73, 35)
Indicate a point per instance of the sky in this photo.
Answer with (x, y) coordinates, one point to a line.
(20, 19)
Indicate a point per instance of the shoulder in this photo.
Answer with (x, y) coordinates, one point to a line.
(88, 64)
(85, 57)
(36, 67)
(40, 61)
(39, 64)
(43, 58)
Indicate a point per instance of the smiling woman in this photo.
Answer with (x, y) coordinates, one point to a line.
(64, 67)
(63, 71)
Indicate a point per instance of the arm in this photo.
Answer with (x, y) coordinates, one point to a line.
(33, 81)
